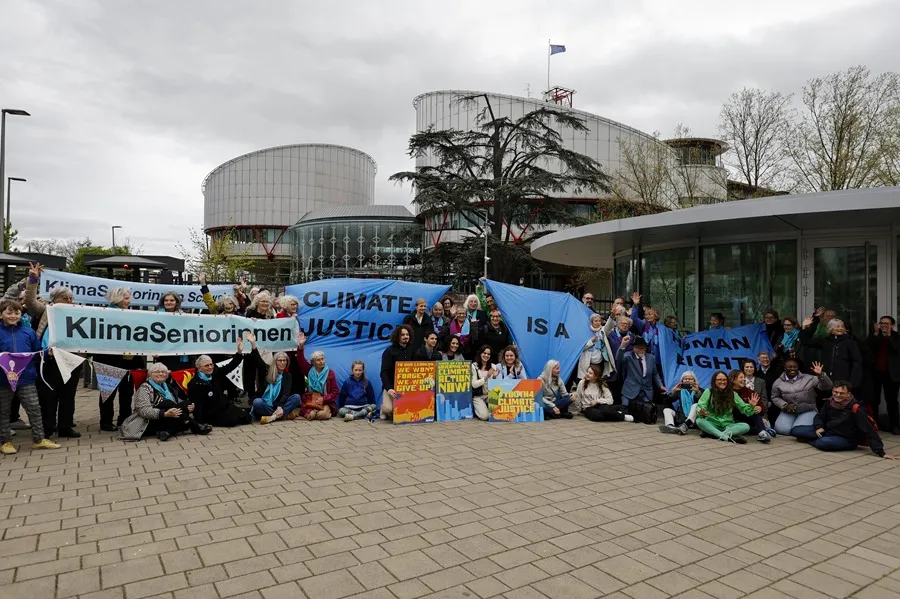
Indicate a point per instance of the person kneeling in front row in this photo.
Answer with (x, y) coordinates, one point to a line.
(276, 401)
(159, 410)
(841, 424)
(553, 393)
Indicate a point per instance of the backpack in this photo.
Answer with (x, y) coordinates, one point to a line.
(855, 408)
(643, 411)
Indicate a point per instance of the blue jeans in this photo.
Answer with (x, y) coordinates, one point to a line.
(834, 443)
(787, 422)
(562, 403)
(261, 408)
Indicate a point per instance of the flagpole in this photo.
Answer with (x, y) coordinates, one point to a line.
(548, 63)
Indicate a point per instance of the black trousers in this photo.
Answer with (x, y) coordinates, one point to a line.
(882, 380)
(173, 426)
(605, 413)
(58, 402)
(125, 392)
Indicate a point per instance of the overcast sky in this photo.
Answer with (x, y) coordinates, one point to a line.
(134, 102)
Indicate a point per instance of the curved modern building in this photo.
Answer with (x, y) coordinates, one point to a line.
(603, 141)
(262, 193)
(356, 241)
(838, 249)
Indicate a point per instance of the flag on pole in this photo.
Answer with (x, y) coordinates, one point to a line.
(556, 49)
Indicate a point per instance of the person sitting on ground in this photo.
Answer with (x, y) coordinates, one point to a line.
(398, 351)
(319, 401)
(715, 411)
(160, 409)
(209, 390)
(510, 367)
(594, 399)
(756, 384)
(482, 372)
(795, 396)
(683, 413)
(841, 424)
(755, 420)
(453, 349)
(428, 352)
(638, 372)
(553, 393)
(274, 401)
(357, 397)
(16, 337)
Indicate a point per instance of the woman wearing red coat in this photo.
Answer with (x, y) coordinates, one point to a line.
(320, 399)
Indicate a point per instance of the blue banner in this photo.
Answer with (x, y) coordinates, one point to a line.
(92, 290)
(352, 319)
(94, 330)
(708, 351)
(544, 325)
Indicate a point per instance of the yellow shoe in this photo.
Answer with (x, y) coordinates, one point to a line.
(293, 415)
(265, 420)
(8, 448)
(46, 444)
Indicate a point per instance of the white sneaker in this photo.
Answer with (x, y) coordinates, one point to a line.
(629, 418)
(764, 437)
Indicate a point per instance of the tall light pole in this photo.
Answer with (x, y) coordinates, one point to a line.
(3, 113)
(487, 225)
(9, 181)
(114, 227)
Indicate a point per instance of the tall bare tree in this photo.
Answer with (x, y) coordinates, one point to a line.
(754, 123)
(644, 173)
(838, 141)
(888, 172)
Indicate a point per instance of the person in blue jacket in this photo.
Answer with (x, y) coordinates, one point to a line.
(15, 337)
(357, 396)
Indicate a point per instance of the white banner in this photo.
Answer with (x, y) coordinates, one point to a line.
(92, 330)
(92, 290)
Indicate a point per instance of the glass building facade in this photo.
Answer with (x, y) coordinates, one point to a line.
(364, 242)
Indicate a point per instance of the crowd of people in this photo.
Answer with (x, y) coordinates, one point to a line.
(819, 385)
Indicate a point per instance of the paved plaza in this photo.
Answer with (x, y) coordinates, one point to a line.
(559, 510)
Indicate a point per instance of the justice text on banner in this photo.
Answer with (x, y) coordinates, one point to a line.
(92, 290)
(352, 319)
(114, 331)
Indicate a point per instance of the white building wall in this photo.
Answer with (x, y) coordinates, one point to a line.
(276, 186)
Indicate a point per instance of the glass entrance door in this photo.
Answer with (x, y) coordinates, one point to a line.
(849, 278)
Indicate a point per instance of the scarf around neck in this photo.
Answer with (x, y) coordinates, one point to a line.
(273, 390)
(687, 401)
(462, 330)
(317, 379)
(790, 338)
(840, 406)
(204, 377)
(600, 343)
(162, 390)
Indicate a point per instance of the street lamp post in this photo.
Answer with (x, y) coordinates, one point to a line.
(3, 113)
(487, 225)
(114, 227)
(9, 181)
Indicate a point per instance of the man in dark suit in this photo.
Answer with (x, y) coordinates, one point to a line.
(638, 370)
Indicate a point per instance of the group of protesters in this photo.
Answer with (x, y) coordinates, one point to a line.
(811, 388)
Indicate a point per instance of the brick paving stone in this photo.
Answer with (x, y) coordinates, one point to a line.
(428, 517)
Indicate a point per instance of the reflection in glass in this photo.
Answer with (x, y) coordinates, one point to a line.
(669, 284)
(841, 284)
(625, 276)
(743, 280)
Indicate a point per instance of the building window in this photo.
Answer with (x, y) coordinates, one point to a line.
(669, 284)
(743, 280)
(626, 276)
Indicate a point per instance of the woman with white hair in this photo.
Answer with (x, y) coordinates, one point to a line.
(289, 306)
(274, 399)
(840, 353)
(119, 298)
(160, 409)
(553, 392)
(596, 349)
(683, 413)
(56, 396)
(209, 390)
(474, 313)
(260, 309)
(320, 400)
(289, 309)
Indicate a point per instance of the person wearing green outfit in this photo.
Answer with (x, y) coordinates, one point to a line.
(716, 407)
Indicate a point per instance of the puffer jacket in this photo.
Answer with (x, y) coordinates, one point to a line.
(799, 392)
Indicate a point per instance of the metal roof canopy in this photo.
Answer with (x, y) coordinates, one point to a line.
(594, 245)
